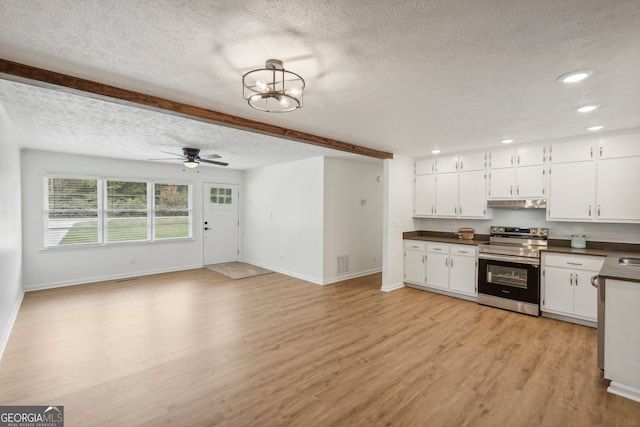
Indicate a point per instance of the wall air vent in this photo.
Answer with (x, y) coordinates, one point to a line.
(343, 264)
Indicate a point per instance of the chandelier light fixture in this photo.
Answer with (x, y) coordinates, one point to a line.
(272, 88)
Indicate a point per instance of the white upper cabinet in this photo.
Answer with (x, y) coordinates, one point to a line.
(472, 197)
(617, 191)
(472, 162)
(576, 151)
(451, 186)
(447, 164)
(619, 146)
(517, 173)
(572, 191)
(447, 194)
(425, 166)
(425, 195)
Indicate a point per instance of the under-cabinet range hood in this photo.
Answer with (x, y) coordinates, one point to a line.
(517, 204)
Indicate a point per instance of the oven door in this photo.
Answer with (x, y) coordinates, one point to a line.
(512, 280)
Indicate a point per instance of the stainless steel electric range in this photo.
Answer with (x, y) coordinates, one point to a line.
(509, 269)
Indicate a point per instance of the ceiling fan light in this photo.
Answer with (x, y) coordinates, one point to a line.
(191, 163)
(587, 108)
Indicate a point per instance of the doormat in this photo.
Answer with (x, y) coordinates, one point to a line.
(238, 270)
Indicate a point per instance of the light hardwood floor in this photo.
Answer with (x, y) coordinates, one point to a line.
(195, 348)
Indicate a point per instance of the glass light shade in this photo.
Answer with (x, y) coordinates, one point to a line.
(191, 163)
(587, 108)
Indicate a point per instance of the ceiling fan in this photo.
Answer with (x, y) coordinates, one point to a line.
(191, 157)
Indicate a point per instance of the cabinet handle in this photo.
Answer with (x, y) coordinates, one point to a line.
(451, 262)
(576, 279)
(511, 190)
(591, 152)
(589, 210)
(573, 263)
(446, 262)
(518, 189)
(571, 280)
(518, 159)
(598, 210)
(461, 165)
(601, 151)
(460, 210)
(463, 252)
(456, 165)
(433, 167)
(423, 258)
(415, 246)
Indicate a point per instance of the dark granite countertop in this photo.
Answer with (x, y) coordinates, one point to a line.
(611, 250)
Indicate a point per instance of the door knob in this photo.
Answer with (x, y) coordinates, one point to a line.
(206, 228)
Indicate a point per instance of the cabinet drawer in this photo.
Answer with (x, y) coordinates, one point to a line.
(581, 262)
(438, 247)
(414, 245)
(464, 250)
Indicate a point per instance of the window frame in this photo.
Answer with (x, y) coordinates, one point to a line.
(102, 211)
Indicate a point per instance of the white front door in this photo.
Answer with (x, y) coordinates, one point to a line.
(220, 223)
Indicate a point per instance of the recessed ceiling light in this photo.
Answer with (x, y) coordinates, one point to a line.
(595, 128)
(587, 108)
(436, 151)
(507, 141)
(575, 76)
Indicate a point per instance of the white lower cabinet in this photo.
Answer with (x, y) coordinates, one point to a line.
(414, 262)
(566, 286)
(450, 268)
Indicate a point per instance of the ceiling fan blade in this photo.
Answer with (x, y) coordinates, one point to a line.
(173, 154)
(214, 162)
(211, 156)
(168, 158)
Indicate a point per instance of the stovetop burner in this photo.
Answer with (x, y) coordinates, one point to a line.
(516, 241)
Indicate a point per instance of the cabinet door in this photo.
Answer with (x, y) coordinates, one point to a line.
(530, 155)
(617, 189)
(501, 159)
(529, 182)
(414, 267)
(501, 183)
(585, 302)
(619, 146)
(425, 166)
(472, 162)
(438, 270)
(574, 151)
(425, 195)
(558, 289)
(472, 200)
(447, 194)
(447, 164)
(462, 274)
(572, 191)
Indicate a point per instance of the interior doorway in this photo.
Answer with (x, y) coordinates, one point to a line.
(221, 223)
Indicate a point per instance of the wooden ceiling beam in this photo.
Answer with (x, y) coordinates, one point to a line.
(66, 83)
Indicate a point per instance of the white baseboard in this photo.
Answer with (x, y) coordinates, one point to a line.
(351, 276)
(393, 287)
(42, 286)
(624, 391)
(306, 278)
(6, 333)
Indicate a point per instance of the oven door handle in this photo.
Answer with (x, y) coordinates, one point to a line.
(512, 259)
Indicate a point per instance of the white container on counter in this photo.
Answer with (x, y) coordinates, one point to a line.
(578, 241)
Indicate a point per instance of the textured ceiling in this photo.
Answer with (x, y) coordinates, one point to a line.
(404, 77)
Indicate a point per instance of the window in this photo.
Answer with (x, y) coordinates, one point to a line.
(172, 211)
(91, 211)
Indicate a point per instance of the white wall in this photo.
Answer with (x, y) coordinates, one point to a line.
(398, 211)
(10, 230)
(352, 217)
(43, 268)
(282, 209)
